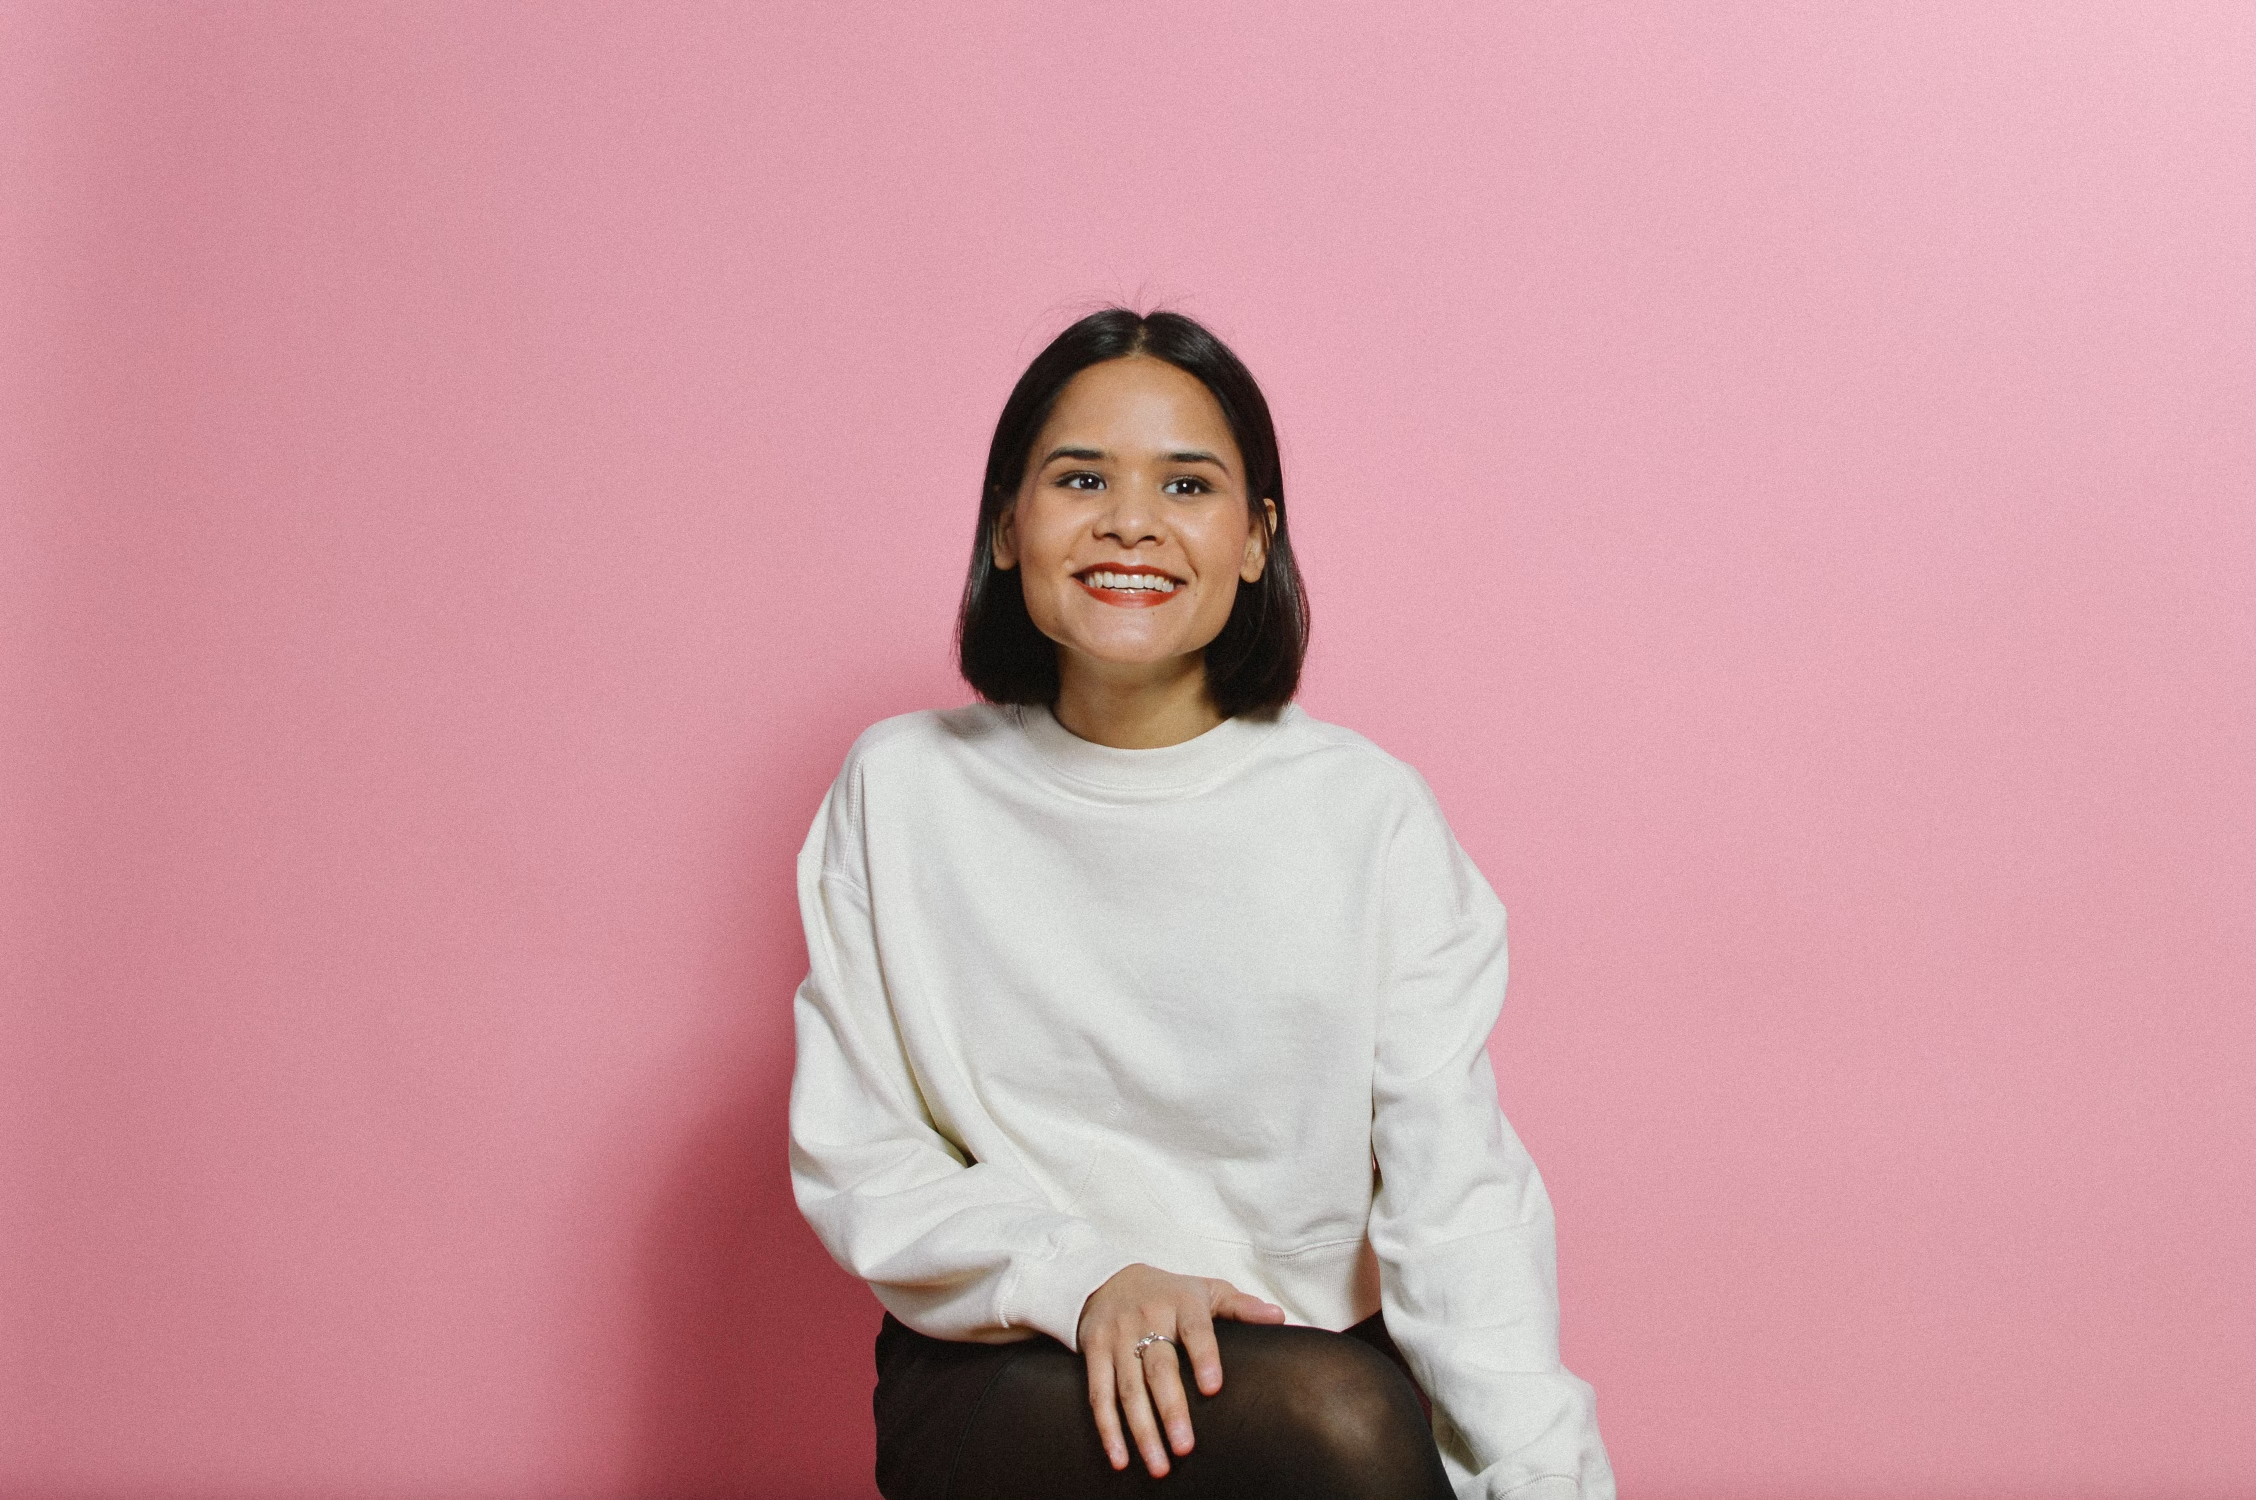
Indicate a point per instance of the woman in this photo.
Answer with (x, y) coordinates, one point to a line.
(1146, 1017)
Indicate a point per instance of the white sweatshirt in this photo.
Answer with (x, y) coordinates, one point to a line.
(1221, 1008)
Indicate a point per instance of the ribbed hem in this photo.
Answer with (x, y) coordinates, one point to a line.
(1145, 775)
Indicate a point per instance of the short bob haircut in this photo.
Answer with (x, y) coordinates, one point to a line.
(1253, 666)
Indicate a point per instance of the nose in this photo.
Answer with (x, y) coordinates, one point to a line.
(1130, 516)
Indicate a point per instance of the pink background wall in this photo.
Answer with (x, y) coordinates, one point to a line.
(1785, 473)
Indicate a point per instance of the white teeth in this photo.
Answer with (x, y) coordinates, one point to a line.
(1150, 582)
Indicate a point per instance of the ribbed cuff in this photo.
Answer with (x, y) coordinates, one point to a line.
(1049, 1292)
(1549, 1487)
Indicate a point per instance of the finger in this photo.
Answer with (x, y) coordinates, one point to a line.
(1135, 1404)
(1196, 1330)
(1101, 1403)
(1244, 1307)
(1163, 1378)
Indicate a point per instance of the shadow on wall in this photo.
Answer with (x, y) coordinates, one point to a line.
(757, 1360)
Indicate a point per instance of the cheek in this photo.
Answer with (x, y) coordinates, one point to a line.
(1044, 536)
(1041, 550)
(1222, 551)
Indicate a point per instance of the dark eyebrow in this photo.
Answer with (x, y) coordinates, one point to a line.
(1198, 456)
(1086, 455)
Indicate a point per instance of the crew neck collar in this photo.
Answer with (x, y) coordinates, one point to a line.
(1144, 774)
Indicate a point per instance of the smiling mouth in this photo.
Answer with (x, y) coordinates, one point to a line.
(1129, 586)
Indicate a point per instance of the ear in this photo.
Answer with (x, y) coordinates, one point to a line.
(1002, 543)
(1257, 542)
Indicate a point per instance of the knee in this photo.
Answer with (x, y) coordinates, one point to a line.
(1356, 1421)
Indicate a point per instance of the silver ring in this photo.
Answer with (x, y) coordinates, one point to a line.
(1155, 1338)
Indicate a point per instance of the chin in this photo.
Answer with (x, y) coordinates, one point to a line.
(1117, 652)
(1129, 656)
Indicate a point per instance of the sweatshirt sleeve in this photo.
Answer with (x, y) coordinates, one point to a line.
(954, 1248)
(1461, 1224)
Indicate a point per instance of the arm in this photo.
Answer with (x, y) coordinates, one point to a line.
(1461, 1225)
(955, 1249)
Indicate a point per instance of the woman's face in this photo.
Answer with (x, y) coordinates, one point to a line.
(1130, 530)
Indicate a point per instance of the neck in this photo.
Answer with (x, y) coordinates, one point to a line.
(1141, 706)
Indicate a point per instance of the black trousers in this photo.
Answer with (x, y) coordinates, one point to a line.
(1302, 1412)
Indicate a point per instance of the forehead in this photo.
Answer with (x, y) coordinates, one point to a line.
(1138, 402)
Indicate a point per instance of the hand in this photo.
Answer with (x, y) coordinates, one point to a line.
(1144, 1299)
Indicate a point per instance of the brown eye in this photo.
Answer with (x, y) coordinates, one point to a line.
(1186, 485)
(1080, 479)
